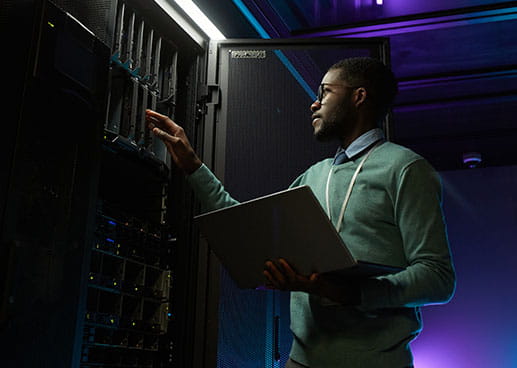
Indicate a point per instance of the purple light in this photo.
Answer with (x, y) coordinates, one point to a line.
(472, 159)
(379, 2)
(417, 25)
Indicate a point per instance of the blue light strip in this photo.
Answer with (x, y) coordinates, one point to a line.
(254, 22)
(296, 74)
(263, 33)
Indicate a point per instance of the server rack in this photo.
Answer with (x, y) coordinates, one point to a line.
(100, 261)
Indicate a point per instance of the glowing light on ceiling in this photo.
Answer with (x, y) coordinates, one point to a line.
(198, 17)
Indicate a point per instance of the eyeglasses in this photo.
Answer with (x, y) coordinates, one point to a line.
(321, 89)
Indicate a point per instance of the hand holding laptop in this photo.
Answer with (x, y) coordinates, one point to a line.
(282, 276)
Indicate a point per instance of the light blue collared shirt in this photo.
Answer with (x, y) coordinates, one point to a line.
(361, 143)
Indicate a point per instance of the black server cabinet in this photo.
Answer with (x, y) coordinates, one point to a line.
(98, 259)
(57, 75)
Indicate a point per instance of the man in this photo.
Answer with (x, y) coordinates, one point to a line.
(385, 203)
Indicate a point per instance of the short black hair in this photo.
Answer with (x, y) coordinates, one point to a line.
(374, 76)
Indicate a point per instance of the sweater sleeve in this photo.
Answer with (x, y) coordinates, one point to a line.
(429, 276)
(209, 190)
(298, 181)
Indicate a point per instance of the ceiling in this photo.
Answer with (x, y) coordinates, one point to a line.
(456, 62)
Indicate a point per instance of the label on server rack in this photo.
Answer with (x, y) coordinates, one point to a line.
(248, 54)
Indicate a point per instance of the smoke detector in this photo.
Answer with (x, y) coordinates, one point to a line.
(472, 159)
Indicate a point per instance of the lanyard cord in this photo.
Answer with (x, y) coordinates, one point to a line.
(348, 192)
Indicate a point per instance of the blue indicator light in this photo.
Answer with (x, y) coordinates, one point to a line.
(112, 223)
(110, 240)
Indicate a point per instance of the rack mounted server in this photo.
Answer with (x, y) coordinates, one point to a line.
(94, 217)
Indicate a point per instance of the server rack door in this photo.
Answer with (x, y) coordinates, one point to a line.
(263, 141)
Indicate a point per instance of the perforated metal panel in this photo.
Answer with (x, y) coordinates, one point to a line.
(96, 15)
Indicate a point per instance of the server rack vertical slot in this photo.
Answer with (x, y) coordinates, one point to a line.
(119, 29)
(139, 55)
(138, 50)
(126, 34)
(133, 109)
(148, 56)
(158, 147)
(130, 42)
(146, 138)
(114, 112)
(132, 92)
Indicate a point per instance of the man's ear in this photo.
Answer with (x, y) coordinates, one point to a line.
(360, 96)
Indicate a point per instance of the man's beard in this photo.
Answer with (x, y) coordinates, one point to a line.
(335, 126)
(328, 131)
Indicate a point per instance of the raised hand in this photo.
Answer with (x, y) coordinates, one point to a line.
(175, 140)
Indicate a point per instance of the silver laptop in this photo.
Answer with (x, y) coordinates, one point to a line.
(290, 224)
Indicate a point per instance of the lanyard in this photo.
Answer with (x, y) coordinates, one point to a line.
(348, 192)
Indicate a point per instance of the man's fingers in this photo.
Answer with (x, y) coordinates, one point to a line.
(271, 280)
(289, 271)
(155, 119)
(275, 273)
(161, 121)
(155, 115)
(163, 135)
(172, 143)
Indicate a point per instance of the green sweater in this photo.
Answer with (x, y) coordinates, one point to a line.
(393, 217)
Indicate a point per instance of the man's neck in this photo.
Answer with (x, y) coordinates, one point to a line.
(356, 133)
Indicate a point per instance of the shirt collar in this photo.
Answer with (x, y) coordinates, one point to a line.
(362, 142)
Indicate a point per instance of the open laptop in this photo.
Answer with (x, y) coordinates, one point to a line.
(290, 224)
